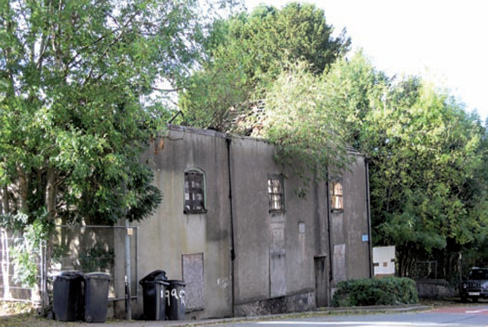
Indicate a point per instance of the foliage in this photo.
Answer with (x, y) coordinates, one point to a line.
(245, 55)
(27, 245)
(296, 108)
(78, 102)
(375, 291)
(428, 180)
(96, 259)
(426, 156)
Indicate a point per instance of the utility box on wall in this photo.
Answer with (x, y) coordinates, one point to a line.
(384, 261)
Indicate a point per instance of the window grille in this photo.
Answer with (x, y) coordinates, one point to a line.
(336, 196)
(194, 192)
(275, 193)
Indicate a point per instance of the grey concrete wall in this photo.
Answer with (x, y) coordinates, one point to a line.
(170, 234)
(435, 288)
(274, 252)
(278, 257)
(350, 229)
(357, 229)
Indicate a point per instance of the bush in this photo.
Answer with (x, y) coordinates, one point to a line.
(375, 291)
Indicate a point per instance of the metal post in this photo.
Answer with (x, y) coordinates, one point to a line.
(128, 297)
(460, 268)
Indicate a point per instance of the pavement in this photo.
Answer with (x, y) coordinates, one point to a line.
(22, 320)
(223, 321)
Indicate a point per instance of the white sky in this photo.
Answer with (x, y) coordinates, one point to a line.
(442, 40)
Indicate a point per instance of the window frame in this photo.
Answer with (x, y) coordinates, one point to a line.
(276, 197)
(193, 205)
(336, 198)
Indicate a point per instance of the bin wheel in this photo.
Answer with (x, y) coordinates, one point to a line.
(88, 318)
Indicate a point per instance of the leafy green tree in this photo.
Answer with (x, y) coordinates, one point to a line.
(299, 120)
(426, 154)
(246, 53)
(75, 111)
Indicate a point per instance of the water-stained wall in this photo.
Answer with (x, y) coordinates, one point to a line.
(240, 257)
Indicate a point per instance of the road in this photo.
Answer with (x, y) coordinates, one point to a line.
(446, 316)
(440, 317)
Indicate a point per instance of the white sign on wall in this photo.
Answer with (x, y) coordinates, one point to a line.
(384, 261)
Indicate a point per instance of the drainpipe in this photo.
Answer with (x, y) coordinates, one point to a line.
(232, 250)
(368, 209)
(128, 304)
(329, 236)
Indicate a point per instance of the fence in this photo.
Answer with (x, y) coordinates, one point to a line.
(81, 248)
(13, 281)
(425, 270)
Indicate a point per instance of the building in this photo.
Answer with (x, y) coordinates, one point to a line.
(232, 226)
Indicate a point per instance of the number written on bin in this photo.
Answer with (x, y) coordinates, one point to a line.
(174, 293)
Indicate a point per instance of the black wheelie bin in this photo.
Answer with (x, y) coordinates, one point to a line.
(153, 295)
(68, 299)
(96, 296)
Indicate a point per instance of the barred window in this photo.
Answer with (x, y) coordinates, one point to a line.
(275, 193)
(194, 192)
(336, 196)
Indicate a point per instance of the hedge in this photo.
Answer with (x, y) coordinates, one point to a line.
(375, 291)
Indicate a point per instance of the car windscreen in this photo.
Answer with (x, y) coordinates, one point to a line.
(478, 274)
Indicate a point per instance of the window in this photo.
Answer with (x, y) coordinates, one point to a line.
(275, 193)
(194, 192)
(336, 199)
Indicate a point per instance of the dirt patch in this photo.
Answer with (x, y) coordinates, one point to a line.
(8, 308)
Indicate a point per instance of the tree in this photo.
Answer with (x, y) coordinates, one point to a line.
(426, 179)
(426, 156)
(75, 77)
(246, 53)
(297, 108)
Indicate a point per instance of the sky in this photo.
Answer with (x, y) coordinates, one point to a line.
(443, 41)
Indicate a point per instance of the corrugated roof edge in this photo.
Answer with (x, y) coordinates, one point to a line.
(210, 132)
(214, 133)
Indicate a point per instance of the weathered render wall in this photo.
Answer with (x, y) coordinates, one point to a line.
(283, 260)
(250, 261)
(274, 251)
(171, 238)
(350, 229)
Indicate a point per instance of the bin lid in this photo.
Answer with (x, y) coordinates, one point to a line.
(176, 282)
(98, 275)
(148, 282)
(69, 274)
(156, 275)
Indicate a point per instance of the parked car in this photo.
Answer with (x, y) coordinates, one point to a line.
(475, 286)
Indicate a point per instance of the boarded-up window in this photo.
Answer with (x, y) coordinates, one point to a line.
(194, 192)
(275, 193)
(336, 196)
(193, 278)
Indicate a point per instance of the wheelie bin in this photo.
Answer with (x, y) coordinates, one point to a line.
(153, 295)
(96, 296)
(175, 296)
(68, 300)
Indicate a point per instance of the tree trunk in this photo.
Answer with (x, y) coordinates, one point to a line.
(50, 194)
(50, 204)
(23, 186)
(5, 205)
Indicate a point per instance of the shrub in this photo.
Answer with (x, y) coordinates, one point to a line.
(375, 291)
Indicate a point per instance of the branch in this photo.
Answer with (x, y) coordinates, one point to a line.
(167, 90)
(89, 75)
